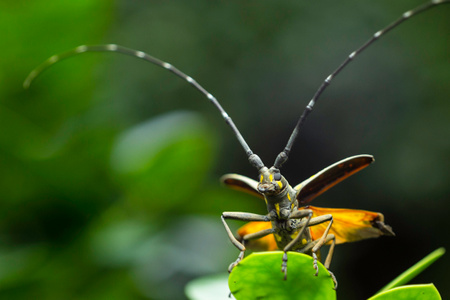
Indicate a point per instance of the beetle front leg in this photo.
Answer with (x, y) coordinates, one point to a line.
(242, 216)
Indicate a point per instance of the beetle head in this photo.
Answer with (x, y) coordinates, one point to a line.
(271, 181)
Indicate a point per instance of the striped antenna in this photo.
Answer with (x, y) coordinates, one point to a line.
(253, 158)
(283, 156)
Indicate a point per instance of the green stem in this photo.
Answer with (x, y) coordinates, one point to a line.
(415, 270)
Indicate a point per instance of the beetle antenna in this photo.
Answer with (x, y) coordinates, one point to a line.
(253, 158)
(283, 156)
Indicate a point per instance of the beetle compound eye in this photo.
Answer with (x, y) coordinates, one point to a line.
(277, 176)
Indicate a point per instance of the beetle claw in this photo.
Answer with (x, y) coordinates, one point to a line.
(235, 263)
(316, 267)
(284, 266)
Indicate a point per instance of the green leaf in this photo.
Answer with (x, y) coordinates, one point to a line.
(208, 287)
(416, 292)
(259, 276)
(415, 270)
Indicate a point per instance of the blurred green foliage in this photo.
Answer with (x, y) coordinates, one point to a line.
(106, 196)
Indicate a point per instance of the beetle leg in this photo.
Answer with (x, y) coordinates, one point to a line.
(295, 215)
(243, 217)
(311, 245)
(321, 242)
(330, 251)
(247, 237)
(314, 246)
(330, 256)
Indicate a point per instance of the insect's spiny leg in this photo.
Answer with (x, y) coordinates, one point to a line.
(253, 158)
(283, 156)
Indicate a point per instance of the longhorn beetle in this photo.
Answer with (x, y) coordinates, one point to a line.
(289, 224)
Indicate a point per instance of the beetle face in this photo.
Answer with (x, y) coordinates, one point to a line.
(271, 181)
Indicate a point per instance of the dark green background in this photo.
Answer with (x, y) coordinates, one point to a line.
(109, 166)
